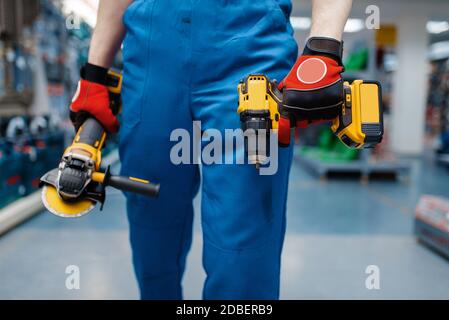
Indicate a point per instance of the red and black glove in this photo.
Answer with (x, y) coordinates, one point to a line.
(92, 99)
(313, 90)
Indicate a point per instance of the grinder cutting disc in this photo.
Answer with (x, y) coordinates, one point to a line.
(59, 207)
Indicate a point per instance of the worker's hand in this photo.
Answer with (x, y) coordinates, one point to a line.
(92, 99)
(313, 90)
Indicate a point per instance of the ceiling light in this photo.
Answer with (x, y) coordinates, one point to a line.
(439, 50)
(84, 9)
(300, 23)
(354, 25)
(436, 27)
(304, 23)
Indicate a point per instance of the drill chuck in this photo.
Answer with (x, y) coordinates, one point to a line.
(256, 126)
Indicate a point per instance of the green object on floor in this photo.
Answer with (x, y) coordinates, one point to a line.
(325, 139)
(344, 152)
(329, 149)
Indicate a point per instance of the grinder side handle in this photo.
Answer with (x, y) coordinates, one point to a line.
(130, 184)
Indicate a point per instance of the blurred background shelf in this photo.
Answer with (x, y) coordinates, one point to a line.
(19, 211)
(364, 169)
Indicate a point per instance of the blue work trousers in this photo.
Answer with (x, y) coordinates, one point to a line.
(182, 63)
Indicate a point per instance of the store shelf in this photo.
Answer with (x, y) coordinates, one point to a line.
(432, 223)
(19, 211)
(366, 169)
(26, 207)
(443, 159)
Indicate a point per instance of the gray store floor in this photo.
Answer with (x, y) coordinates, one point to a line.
(335, 230)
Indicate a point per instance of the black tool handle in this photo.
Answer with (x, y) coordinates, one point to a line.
(133, 185)
(90, 132)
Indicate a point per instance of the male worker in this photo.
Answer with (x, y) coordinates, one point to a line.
(182, 62)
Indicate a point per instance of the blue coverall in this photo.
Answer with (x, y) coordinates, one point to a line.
(183, 60)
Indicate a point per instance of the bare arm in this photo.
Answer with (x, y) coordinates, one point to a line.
(108, 33)
(329, 18)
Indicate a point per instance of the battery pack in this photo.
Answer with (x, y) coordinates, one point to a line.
(360, 124)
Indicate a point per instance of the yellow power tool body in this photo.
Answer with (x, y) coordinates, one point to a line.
(259, 104)
(73, 189)
(359, 125)
(259, 98)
